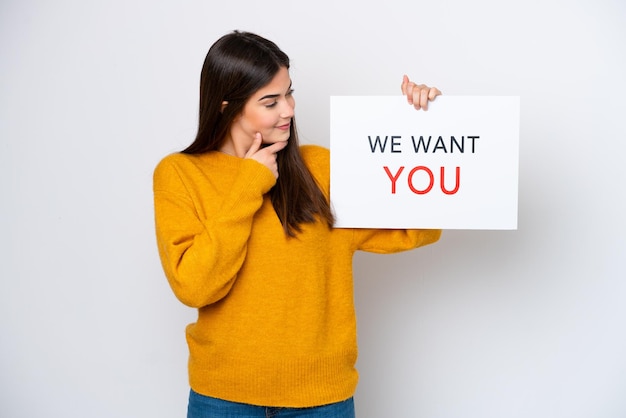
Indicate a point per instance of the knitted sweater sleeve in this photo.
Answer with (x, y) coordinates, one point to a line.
(385, 241)
(202, 251)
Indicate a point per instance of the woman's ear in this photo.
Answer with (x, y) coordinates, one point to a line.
(224, 104)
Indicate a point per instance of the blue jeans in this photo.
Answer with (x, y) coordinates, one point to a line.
(201, 406)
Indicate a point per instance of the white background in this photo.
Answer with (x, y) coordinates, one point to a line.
(483, 324)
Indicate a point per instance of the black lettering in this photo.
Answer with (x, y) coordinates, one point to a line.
(440, 145)
(416, 147)
(473, 138)
(377, 142)
(394, 144)
(461, 147)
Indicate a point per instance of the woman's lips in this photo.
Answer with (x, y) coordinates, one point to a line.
(284, 127)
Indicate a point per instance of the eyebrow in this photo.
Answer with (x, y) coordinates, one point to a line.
(273, 96)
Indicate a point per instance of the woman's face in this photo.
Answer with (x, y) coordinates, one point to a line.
(268, 111)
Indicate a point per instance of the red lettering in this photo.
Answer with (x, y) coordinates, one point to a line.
(393, 178)
(431, 179)
(458, 181)
(430, 175)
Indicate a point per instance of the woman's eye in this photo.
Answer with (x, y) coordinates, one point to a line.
(271, 104)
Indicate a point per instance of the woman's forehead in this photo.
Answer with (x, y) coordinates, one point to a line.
(278, 85)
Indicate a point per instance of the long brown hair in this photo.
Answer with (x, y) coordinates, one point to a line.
(236, 67)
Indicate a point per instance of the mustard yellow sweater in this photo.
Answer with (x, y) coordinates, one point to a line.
(276, 322)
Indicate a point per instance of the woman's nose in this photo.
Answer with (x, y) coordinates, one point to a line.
(287, 110)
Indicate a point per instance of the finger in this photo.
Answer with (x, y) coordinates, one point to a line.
(256, 144)
(277, 146)
(405, 82)
(423, 97)
(417, 96)
(410, 92)
(428, 94)
(433, 93)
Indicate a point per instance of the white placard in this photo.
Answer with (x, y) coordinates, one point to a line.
(454, 166)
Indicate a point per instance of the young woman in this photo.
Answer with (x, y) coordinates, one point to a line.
(245, 235)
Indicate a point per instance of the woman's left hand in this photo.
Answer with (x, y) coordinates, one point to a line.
(418, 95)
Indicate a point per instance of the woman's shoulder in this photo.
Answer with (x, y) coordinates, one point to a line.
(313, 149)
(171, 164)
(181, 165)
(183, 161)
(316, 157)
(175, 159)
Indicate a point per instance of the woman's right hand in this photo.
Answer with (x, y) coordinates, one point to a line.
(266, 155)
